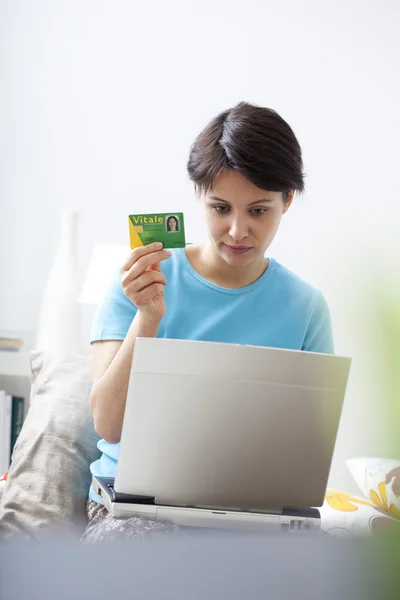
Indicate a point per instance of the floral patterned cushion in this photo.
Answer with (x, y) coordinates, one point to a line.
(347, 515)
(379, 481)
(377, 508)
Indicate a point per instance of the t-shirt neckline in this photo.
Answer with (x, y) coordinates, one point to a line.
(242, 290)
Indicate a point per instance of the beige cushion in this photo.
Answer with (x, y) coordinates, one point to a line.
(49, 477)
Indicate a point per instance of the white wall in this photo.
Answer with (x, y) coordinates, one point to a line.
(100, 102)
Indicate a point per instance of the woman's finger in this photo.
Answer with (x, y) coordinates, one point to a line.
(132, 287)
(138, 252)
(146, 261)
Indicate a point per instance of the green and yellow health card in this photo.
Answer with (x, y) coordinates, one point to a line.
(168, 228)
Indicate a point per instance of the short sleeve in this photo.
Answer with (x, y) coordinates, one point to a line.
(114, 315)
(319, 336)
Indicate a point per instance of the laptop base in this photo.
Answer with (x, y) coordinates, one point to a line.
(291, 520)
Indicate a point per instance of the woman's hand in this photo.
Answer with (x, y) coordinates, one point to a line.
(143, 282)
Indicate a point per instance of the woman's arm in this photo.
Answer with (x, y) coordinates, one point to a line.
(111, 365)
(142, 283)
(319, 336)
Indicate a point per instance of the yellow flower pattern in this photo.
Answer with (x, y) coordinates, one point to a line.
(380, 500)
(344, 502)
(347, 503)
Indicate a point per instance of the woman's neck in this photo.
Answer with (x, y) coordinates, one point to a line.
(209, 265)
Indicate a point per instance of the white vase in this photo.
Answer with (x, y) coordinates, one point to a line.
(60, 329)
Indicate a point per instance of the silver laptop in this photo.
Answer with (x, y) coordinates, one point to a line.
(226, 435)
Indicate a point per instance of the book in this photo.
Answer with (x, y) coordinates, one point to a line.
(5, 430)
(10, 343)
(9, 349)
(17, 420)
(11, 421)
(2, 430)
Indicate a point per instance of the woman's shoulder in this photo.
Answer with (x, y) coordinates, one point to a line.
(294, 283)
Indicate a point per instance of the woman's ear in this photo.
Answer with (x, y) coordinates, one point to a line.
(288, 201)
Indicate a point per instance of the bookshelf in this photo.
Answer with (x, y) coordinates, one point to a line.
(15, 374)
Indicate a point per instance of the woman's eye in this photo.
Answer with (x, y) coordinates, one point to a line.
(258, 212)
(221, 209)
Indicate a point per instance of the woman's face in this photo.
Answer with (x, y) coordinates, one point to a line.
(172, 225)
(241, 218)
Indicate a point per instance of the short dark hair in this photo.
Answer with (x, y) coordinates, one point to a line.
(253, 140)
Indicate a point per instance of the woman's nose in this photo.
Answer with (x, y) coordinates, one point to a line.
(238, 229)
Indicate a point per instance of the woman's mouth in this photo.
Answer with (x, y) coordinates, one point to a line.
(238, 249)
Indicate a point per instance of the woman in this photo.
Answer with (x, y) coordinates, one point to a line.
(246, 166)
(172, 224)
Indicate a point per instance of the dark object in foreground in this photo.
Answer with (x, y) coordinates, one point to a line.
(218, 566)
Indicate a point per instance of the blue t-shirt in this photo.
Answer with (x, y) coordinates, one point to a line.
(278, 310)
